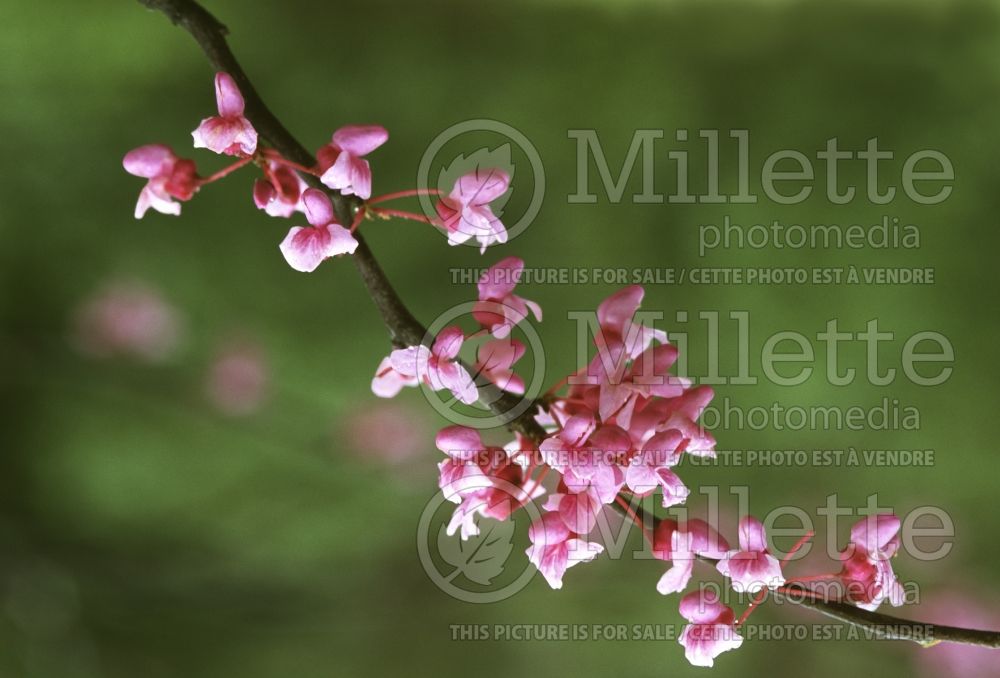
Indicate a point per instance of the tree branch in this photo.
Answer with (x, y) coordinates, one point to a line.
(405, 330)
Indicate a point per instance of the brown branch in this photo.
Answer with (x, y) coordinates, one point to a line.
(405, 330)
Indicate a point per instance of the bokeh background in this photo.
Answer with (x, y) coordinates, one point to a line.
(156, 524)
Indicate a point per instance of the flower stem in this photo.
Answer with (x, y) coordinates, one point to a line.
(403, 194)
(226, 171)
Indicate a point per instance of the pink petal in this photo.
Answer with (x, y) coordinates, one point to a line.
(551, 561)
(349, 175)
(318, 208)
(456, 379)
(360, 140)
(663, 538)
(448, 343)
(506, 380)
(580, 551)
(458, 441)
(577, 429)
(500, 354)
(641, 479)
(693, 402)
(752, 536)
(306, 248)
(153, 195)
(676, 578)
(616, 311)
(705, 541)
(361, 179)
(341, 240)
(263, 193)
(149, 161)
(874, 533)
(500, 279)
(548, 531)
(227, 96)
(536, 310)
(579, 511)
(700, 607)
(751, 571)
(480, 187)
(387, 382)
(411, 361)
(217, 134)
(674, 490)
(663, 448)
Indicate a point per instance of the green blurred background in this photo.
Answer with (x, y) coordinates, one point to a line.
(146, 533)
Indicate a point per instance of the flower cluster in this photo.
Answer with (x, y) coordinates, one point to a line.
(612, 433)
(617, 434)
(288, 187)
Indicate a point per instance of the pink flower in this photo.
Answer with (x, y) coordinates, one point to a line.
(494, 360)
(305, 248)
(554, 548)
(644, 378)
(461, 474)
(280, 194)
(650, 468)
(466, 210)
(661, 414)
(681, 545)
(169, 177)
(128, 319)
(712, 630)
(342, 161)
(499, 310)
(436, 366)
(229, 132)
(483, 479)
(586, 457)
(614, 316)
(387, 382)
(237, 381)
(867, 574)
(752, 567)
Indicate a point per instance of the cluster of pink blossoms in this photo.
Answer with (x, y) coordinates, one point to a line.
(617, 434)
(285, 187)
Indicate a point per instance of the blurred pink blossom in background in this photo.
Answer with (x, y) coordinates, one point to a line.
(238, 379)
(387, 433)
(127, 318)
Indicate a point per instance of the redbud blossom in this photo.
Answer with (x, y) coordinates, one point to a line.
(342, 161)
(229, 132)
(712, 630)
(554, 548)
(494, 360)
(499, 310)
(387, 382)
(867, 574)
(280, 193)
(436, 366)
(169, 177)
(305, 247)
(466, 210)
(681, 545)
(751, 567)
(650, 468)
